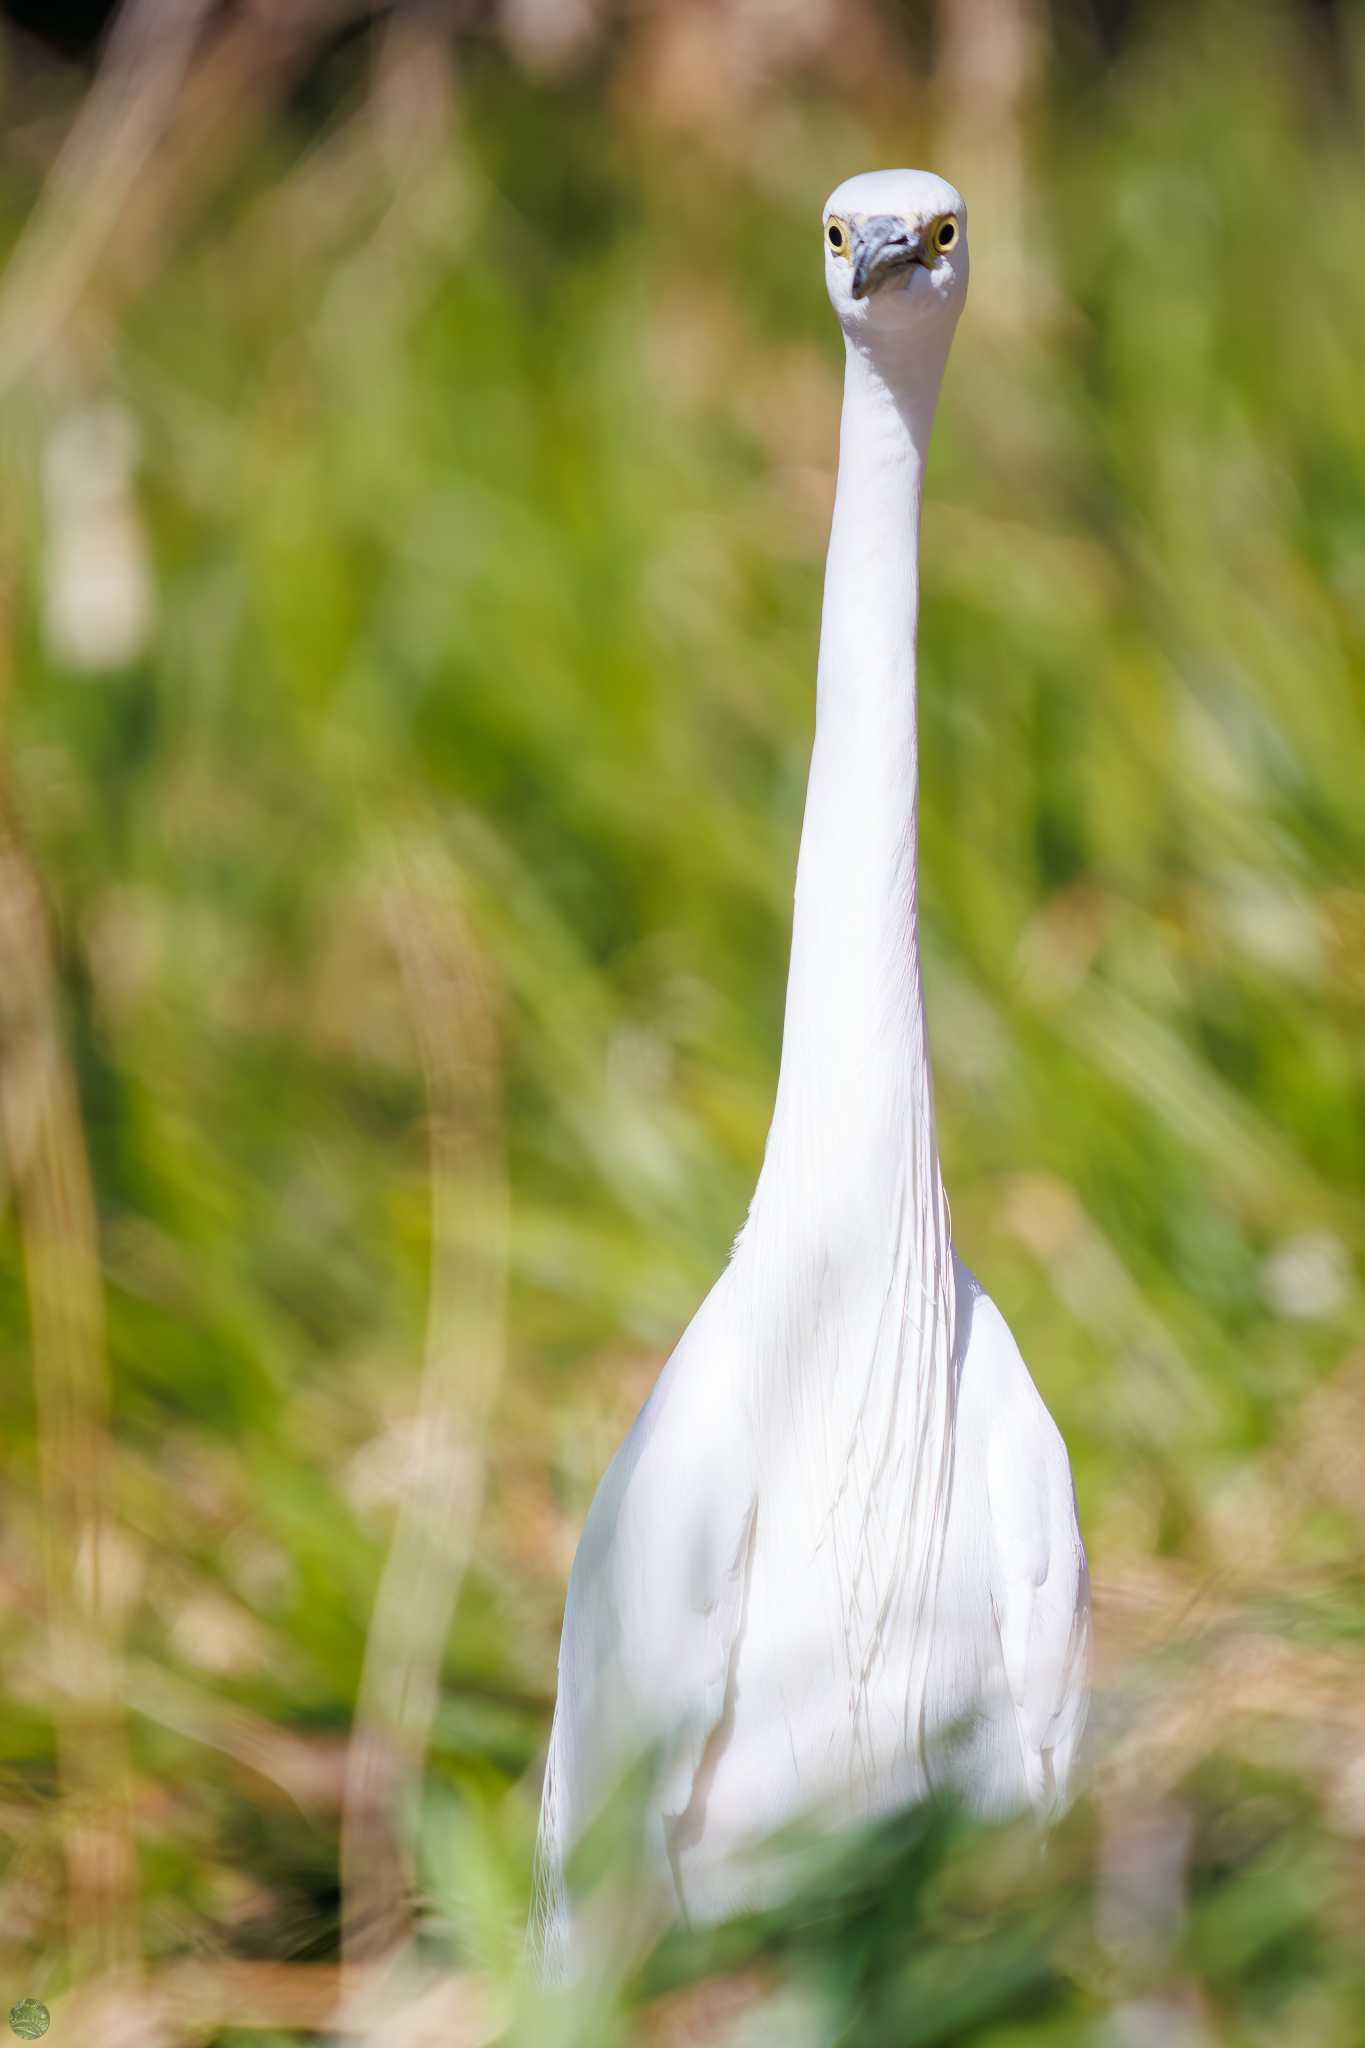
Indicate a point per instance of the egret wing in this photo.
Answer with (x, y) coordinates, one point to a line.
(1039, 1595)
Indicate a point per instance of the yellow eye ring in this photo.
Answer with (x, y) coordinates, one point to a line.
(836, 234)
(945, 235)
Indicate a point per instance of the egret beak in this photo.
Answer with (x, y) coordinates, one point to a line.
(883, 245)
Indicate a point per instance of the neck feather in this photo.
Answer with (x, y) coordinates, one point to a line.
(848, 1237)
(854, 1107)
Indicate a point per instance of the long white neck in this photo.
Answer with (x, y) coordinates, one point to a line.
(853, 1127)
(848, 1242)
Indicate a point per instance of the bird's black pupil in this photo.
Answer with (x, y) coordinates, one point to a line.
(836, 236)
(947, 235)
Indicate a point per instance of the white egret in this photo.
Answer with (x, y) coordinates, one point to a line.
(836, 1561)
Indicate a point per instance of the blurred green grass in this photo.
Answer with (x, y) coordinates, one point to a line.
(483, 452)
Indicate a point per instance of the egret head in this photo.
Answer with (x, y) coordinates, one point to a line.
(896, 255)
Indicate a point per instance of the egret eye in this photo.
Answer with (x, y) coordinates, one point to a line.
(837, 234)
(945, 234)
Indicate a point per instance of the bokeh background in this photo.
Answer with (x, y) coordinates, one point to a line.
(418, 435)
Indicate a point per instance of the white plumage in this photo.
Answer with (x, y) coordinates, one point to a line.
(836, 1561)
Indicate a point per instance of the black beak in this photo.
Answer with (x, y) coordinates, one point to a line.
(883, 244)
